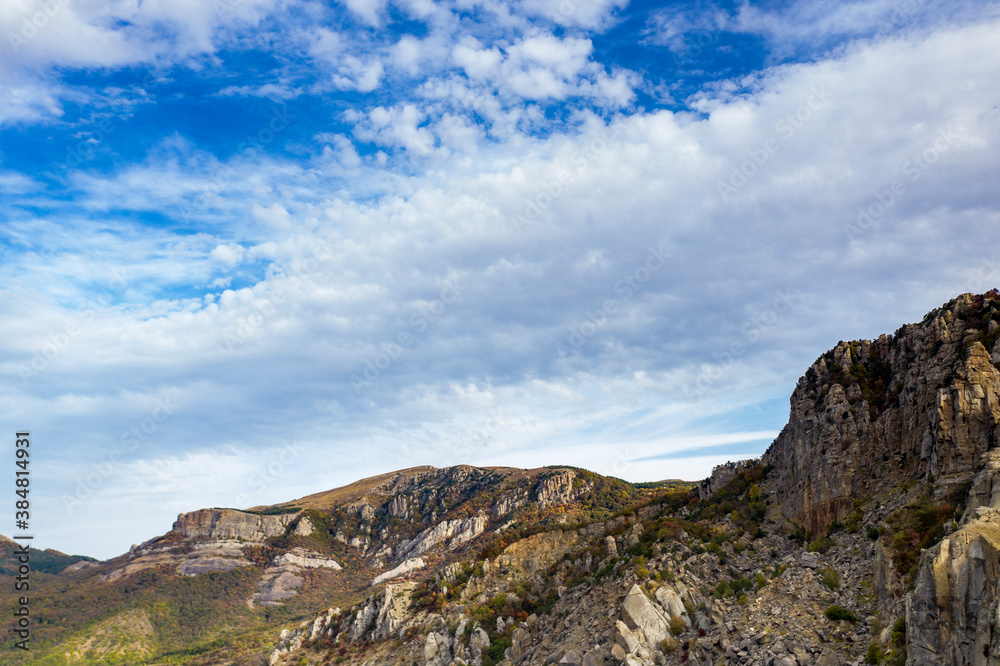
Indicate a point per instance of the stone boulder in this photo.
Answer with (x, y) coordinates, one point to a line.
(643, 618)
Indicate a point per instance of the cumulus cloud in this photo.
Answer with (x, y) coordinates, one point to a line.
(354, 74)
(592, 14)
(368, 11)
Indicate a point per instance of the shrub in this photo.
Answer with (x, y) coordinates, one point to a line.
(820, 545)
(668, 645)
(837, 613)
(875, 655)
(482, 614)
(676, 626)
(498, 603)
(831, 579)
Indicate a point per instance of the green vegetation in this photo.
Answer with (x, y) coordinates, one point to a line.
(875, 654)
(741, 499)
(820, 545)
(920, 524)
(831, 579)
(42, 561)
(837, 613)
(738, 586)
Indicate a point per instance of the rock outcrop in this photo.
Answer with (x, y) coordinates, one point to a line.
(231, 524)
(401, 570)
(455, 531)
(923, 403)
(952, 614)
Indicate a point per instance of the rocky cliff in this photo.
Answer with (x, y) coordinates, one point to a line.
(923, 403)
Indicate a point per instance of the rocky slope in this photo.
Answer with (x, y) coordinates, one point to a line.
(869, 532)
(221, 577)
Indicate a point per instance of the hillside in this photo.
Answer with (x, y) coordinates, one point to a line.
(222, 583)
(869, 532)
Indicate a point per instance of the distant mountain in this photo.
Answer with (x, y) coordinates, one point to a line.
(45, 561)
(869, 532)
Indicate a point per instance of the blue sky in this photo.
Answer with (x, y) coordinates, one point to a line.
(254, 249)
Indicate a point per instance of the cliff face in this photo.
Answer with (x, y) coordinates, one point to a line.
(923, 403)
(230, 524)
(952, 612)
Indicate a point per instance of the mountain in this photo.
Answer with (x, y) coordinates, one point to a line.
(869, 532)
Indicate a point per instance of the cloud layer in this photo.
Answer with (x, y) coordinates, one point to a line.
(249, 259)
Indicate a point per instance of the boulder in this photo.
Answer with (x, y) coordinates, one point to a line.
(640, 615)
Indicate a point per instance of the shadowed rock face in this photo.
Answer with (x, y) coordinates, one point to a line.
(869, 415)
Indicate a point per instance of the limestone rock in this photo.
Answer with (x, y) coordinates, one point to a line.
(457, 531)
(951, 616)
(281, 587)
(610, 546)
(640, 615)
(231, 524)
(934, 411)
(305, 559)
(555, 488)
(403, 569)
(670, 600)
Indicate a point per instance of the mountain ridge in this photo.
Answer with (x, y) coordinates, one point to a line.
(868, 532)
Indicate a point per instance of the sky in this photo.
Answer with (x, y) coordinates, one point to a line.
(255, 249)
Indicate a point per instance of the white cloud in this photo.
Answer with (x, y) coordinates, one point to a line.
(92, 33)
(228, 254)
(476, 61)
(407, 54)
(397, 126)
(490, 264)
(274, 91)
(353, 74)
(542, 67)
(368, 11)
(275, 215)
(592, 14)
